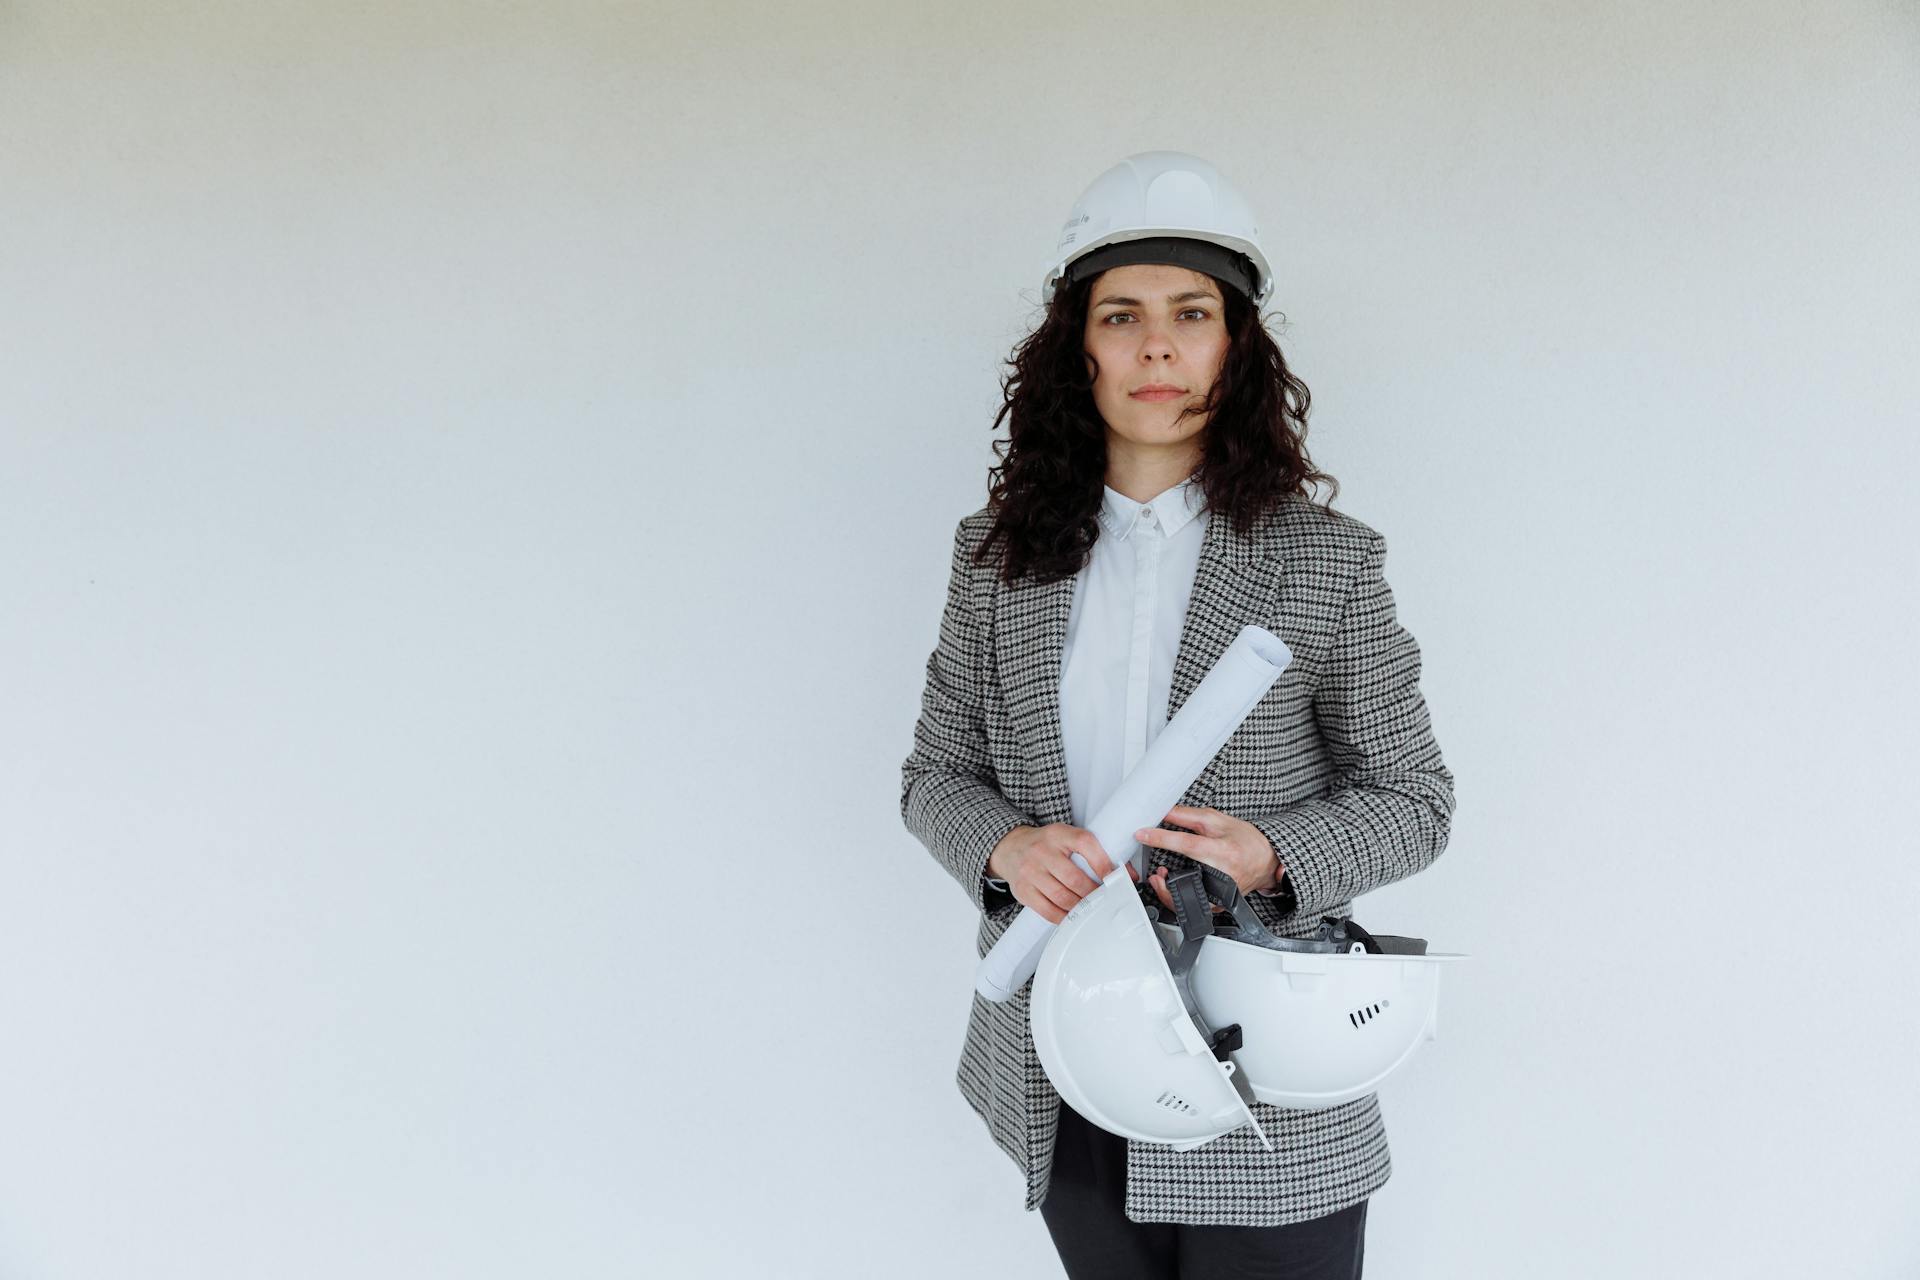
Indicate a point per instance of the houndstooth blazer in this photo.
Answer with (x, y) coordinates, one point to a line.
(1337, 765)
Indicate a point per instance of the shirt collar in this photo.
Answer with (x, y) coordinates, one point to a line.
(1172, 507)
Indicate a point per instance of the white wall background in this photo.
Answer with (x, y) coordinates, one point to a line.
(477, 486)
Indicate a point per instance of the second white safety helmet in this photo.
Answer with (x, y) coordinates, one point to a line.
(1316, 1028)
(1162, 206)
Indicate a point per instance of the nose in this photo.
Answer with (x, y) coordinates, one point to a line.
(1156, 342)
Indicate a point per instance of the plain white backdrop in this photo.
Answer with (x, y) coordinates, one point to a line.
(476, 484)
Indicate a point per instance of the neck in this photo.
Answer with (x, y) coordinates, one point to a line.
(1142, 474)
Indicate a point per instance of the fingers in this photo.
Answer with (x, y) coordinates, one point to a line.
(1058, 886)
(1060, 897)
(1159, 882)
(1198, 819)
(1077, 840)
(1054, 898)
(1088, 847)
(1042, 896)
(1072, 878)
(1054, 883)
(1161, 838)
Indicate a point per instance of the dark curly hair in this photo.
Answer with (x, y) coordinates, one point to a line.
(1045, 493)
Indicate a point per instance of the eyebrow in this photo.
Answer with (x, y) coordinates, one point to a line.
(1194, 295)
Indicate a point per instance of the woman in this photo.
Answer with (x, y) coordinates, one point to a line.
(1154, 496)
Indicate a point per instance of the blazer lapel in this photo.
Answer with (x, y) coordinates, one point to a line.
(1236, 583)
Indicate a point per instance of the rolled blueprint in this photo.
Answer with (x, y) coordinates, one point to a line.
(1178, 753)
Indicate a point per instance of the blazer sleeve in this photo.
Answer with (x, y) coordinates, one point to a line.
(1392, 802)
(949, 793)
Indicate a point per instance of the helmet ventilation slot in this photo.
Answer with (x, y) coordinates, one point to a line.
(1361, 1017)
(1174, 1102)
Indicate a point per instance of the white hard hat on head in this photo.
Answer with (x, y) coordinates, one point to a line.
(1162, 206)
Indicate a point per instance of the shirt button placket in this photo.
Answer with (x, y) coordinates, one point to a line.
(1146, 575)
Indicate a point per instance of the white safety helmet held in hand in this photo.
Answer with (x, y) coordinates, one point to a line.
(1316, 1029)
(1115, 1036)
(1297, 1022)
(1162, 206)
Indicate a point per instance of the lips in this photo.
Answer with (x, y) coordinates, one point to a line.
(1157, 391)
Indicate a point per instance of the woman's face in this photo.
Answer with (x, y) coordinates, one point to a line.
(1149, 326)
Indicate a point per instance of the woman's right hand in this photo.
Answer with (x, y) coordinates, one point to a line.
(1037, 864)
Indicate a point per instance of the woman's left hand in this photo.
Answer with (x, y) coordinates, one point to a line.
(1218, 839)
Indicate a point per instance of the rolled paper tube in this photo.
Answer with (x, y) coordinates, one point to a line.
(1215, 708)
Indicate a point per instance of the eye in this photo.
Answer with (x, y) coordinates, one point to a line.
(1200, 312)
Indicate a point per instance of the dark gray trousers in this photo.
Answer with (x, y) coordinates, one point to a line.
(1095, 1238)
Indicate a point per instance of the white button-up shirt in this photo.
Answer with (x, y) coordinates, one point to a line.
(1129, 604)
(1123, 633)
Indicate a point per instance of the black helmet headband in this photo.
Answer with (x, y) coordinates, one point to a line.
(1215, 260)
